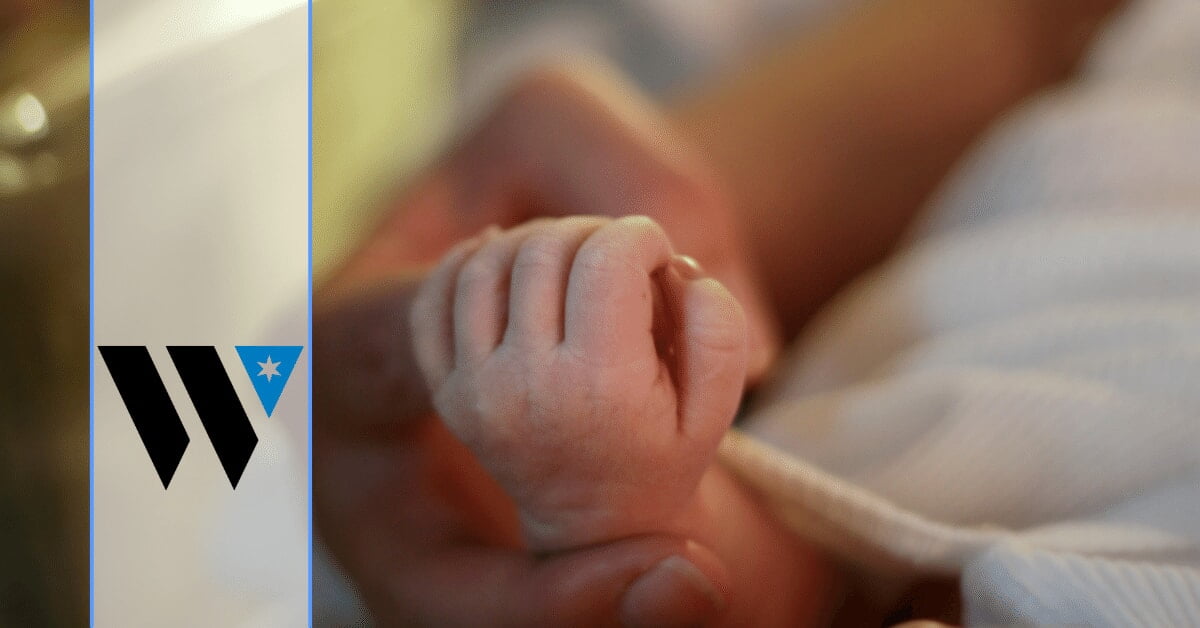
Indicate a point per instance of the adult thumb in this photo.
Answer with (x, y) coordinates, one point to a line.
(674, 592)
(644, 581)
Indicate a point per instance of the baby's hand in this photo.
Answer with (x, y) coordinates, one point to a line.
(588, 367)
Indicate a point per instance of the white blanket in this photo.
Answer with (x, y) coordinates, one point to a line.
(1015, 397)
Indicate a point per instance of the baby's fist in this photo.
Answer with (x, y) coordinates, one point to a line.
(587, 366)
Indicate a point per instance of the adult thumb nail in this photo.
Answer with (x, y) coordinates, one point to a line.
(671, 593)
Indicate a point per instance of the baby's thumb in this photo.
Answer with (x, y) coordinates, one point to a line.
(710, 350)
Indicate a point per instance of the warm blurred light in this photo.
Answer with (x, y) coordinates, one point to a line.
(13, 176)
(29, 113)
(23, 119)
(45, 168)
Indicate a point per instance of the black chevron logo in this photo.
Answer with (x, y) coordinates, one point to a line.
(156, 419)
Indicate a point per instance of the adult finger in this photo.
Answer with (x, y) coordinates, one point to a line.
(657, 581)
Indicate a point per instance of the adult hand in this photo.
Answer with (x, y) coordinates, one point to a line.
(426, 535)
(573, 140)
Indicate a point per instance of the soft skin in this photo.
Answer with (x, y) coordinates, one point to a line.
(589, 377)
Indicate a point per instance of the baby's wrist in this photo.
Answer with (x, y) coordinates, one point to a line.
(568, 529)
(563, 531)
(571, 529)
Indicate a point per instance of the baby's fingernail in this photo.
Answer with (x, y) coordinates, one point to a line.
(674, 592)
(687, 267)
(489, 232)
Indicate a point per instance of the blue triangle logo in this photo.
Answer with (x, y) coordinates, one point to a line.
(269, 369)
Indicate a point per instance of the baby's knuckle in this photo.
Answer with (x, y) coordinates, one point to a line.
(642, 227)
(541, 251)
(476, 271)
(601, 259)
(592, 258)
(537, 225)
(584, 221)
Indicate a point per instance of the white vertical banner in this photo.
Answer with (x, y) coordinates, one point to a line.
(201, 283)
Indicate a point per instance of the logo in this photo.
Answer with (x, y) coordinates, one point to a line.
(211, 392)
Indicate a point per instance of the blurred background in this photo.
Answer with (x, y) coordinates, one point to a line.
(43, 313)
(369, 134)
(444, 61)
(44, 285)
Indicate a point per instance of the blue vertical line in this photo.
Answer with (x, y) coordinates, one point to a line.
(310, 313)
(91, 312)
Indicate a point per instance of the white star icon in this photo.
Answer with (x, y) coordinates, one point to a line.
(269, 368)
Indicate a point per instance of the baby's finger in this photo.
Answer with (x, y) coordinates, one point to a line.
(431, 318)
(539, 281)
(609, 307)
(481, 295)
(710, 353)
